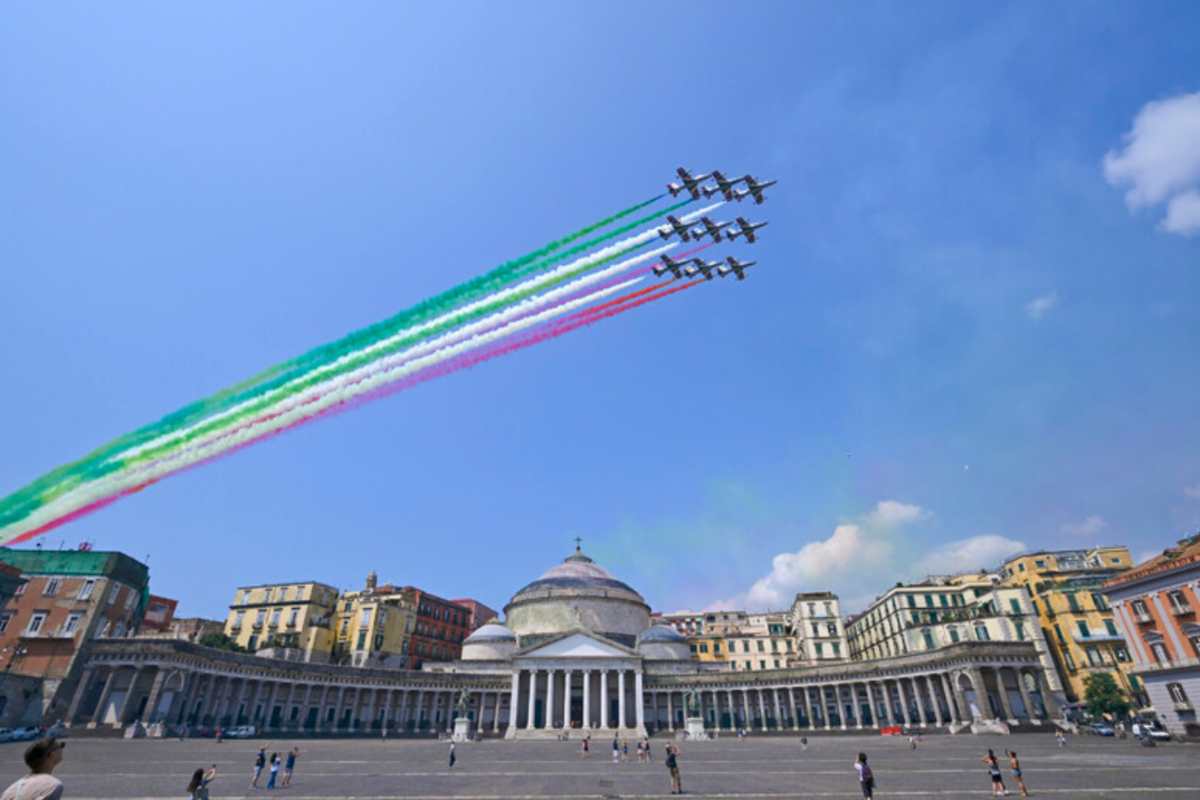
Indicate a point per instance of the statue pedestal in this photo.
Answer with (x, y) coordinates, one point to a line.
(462, 730)
(694, 728)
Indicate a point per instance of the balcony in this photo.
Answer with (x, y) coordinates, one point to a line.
(1182, 611)
(1182, 705)
(1143, 616)
(1165, 666)
(1097, 636)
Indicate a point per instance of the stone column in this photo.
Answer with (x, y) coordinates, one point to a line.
(418, 708)
(792, 702)
(401, 711)
(155, 693)
(126, 704)
(837, 690)
(778, 712)
(604, 699)
(981, 694)
(825, 706)
(857, 704)
(512, 701)
(532, 694)
(639, 699)
(808, 717)
(587, 700)
(1030, 711)
(1002, 693)
(670, 712)
(933, 696)
(548, 722)
(732, 711)
(1047, 695)
(947, 688)
(624, 723)
(566, 699)
(963, 707)
(887, 701)
(916, 684)
(85, 682)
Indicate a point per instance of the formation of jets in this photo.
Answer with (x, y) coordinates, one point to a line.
(716, 231)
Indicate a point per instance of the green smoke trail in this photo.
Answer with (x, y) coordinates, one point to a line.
(100, 462)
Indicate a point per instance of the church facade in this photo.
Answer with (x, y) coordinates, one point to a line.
(577, 652)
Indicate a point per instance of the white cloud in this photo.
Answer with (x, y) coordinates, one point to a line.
(1041, 305)
(855, 556)
(1086, 527)
(1192, 491)
(1160, 161)
(968, 555)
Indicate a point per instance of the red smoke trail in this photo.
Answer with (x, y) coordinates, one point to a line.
(630, 301)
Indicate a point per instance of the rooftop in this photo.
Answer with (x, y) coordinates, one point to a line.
(1185, 553)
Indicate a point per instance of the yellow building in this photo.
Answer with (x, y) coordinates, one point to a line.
(709, 647)
(296, 618)
(375, 625)
(1066, 587)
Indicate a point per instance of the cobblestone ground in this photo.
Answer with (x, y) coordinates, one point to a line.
(941, 767)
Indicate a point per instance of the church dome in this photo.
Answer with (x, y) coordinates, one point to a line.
(661, 642)
(578, 593)
(491, 642)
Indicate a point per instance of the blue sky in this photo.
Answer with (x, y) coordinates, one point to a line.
(961, 337)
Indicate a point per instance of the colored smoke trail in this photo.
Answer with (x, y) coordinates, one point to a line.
(16, 507)
(35, 492)
(462, 362)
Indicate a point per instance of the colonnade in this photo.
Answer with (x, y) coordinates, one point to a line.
(584, 698)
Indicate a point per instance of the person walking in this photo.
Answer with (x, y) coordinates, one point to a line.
(274, 770)
(616, 747)
(998, 789)
(453, 757)
(866, 778)
(40, 784)
(1015, 766)
(260, 761)
(197, 788)
(673, 769)
(1062, 740)
(804, 743)
(289, 765)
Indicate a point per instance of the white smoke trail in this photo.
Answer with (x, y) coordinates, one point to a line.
(529, 285)
(125, 479)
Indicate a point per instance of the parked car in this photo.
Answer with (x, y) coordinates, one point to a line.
(1145, 729)
(5, 734)
(1101, 729)
(25, 734)
(241, 732)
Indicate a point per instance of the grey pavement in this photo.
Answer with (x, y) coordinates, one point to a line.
(941, 767)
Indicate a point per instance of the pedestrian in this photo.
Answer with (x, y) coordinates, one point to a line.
(616, 750)
(260, 761)
(649, 756)
(453, 758)
(274, 770)
(40, 784)
(1062, 740)
(220, 734)
(1015, 766)
(804, 743)
(998, 789)
(866, 778)
(912, 742)
(625, 750)
(289, 765)
(673, 769)
(198, 786)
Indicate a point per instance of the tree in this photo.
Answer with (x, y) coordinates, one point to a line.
(1102, 695)
(220, 641)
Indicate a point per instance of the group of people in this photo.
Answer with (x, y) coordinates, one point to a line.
(288, 762)
(866, 778)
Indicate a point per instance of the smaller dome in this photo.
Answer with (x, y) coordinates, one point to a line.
(660, 633)
(492, 632)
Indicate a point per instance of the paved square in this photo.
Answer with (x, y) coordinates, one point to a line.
(942, 767)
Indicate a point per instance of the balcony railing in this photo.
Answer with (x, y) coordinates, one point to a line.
(1181, 611)
(1143, 616)
(1183, 705)
(1162, 666)
(1097, 636)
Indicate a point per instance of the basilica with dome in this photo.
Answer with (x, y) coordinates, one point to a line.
(576, 651)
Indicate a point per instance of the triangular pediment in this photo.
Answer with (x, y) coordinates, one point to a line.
(577, 644)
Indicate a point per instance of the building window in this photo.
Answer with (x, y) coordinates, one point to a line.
(928, 638)
(112, 593)
(1099, 601)
(1039, 563)
(837, 649)
(981, 633)
(252, 645)
(1094, 657)
(1121, 653)
(953, 634)
(35, 623)
(20, 590)
(1073, 602)
(1178, 602)
(85, 591)
(260, 617)
(1178, 695)
(362, 640)
(51, 587)
(912, 601)
(129, 598)
(1020, 626)
(1083, 629)
(1058, 632)
(293, 615)
(1110, 627)
(777, 663)
(1015, 605)
(4, 619)
(1139, 608)
(1069, 659)
(275, 616)
(820, 649)
(237, 619)
(1160, 653)
(761, 648)
(71, 624)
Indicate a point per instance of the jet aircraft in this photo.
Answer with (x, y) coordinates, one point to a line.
(688, 182)
(711, 228)
(675, 227)
(707, 267)
(736, 266)
(724, 185)
(671, 265)
(753, 188)
(747, 229)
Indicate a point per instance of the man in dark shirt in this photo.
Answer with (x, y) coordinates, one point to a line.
(673, 769)
(260, 761)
